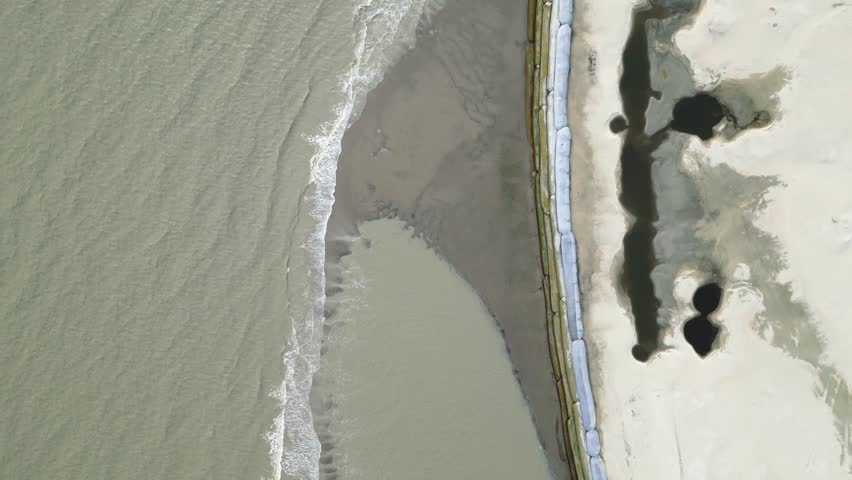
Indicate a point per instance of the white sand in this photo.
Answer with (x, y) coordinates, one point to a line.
(810, 149)
(750, 410)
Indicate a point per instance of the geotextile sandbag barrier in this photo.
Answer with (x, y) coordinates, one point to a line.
(547, 119)
(580, 362)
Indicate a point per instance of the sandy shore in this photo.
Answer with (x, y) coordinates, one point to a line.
(767, 207)
(441, 144)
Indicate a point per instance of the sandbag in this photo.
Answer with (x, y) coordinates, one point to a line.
(584, 387)
(561, 65)
(565, 11)
(597, 468)
(551, 150)
(574, 320)
(561, 69)
(593, 443)
(551, 54)
(551, 130)
(562, 179)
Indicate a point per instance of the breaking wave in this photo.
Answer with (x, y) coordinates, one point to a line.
(384, 28)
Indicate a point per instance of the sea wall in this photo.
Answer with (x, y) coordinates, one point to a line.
(547, 70)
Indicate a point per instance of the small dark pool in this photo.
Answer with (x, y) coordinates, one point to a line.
(618, 124)
(699, 331)
(706, 298)
(697, 115)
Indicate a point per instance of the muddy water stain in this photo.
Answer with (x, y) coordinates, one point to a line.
(644, 135)
(637, 191)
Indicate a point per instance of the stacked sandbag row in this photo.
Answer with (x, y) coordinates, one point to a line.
(548, 65)
(560, 31)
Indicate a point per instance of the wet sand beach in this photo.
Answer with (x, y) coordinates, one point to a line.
(441, 145)
(758, 207)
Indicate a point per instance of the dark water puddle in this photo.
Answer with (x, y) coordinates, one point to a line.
(700, 331)
(669, 217)
(697, 115)
(707, 297)
(637, 191)
(618, 124)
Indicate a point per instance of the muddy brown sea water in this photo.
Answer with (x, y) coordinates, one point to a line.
(166, 172)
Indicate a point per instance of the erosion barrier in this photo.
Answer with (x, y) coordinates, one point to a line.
(547, 71)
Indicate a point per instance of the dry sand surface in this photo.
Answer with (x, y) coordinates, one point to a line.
(774, 217)
(441, 144)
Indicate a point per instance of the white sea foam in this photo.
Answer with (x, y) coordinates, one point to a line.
(294, 448)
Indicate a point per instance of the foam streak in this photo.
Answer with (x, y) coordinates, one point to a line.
(294, 448)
